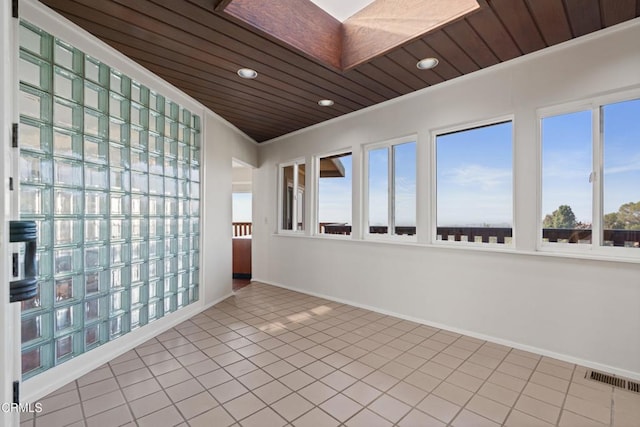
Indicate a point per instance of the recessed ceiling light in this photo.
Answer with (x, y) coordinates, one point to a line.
(325, 103)
(427, 63)
(247, 73)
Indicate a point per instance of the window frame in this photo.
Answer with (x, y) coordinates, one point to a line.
(316, 194)
(433, 199)
(389, 145)
(294, 220)
(595, 248)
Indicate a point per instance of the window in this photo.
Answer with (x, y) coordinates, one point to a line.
(334, 194)
(292, 194)
(590, 194)
(474, 170)
(391, 188)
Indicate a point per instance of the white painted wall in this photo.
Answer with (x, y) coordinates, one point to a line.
(581, 310)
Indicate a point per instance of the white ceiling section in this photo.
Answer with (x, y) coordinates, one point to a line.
(342, 9)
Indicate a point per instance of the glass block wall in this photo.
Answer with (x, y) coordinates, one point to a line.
(109, 169)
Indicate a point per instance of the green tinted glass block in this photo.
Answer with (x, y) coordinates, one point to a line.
(170, 226)
(35, 200)
(156, 165)
(184, 136)
(139, 182)
(183, 264)
(95, 97)
(156, 184)
(119, 179)
(156, 122)
(139, 160)
(118, 131)
(96, 71)
(32, 361)
(139, 204)
(194, 294)
(34, 135)
(139, 250)
(119, 277)
(67, 172)
(185, 117)
(96, 282)
(171, 110)
(120, 254)
(67, 231)
(96, 257)
(194, 259)
(64, 348)
(68, 288)
(96, 230)
(138, 138)
(194, 173)
(156, 206)
(170, 304)
(139, 116)
(195, 122)
(67, 56)
(118, 156)
(184, 244)
(170, 280)
(120, 229)
(96, 203)
(138, 272)
(156, 226)
(67, 85)
(95, 124)
(137, 295)
(96, 150)
(171, 206)
(155, 269)
(183, 188)
(156, 102)
(155, 311)
(96, 176)
(44, 260)
(183, 207)
(31, 328)
(183, 298)
(135, 317)
(67, 261)
(67, 201)
(34, 71)
(195, 242)
(170, 167)
(170, 148)
(170, 129)
(45, 233)
(116, 327)
(195, 225)
(155, 247)
(194, 189)
(137, 94)
(182, 170)
(195, 156)
(170, 246)
(182, 226)
(67, 114)
(92, 336)
(156, 143)
(34, 40)
(118, 106)
(119, 204)
(139, 228)
(93, 310)
(67, 143)
(195, 139)
(35, 104)
(120, 83)
(35, 168)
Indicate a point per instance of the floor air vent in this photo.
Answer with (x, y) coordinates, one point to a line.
(614, 381)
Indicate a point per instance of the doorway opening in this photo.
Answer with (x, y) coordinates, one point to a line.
(242, 223)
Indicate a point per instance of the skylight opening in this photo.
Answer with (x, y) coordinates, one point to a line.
(341, 9)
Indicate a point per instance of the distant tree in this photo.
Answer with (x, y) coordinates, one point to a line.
(563, 217)
(627, 217)
(611, 221)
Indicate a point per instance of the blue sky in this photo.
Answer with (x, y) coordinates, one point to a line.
(334, 196)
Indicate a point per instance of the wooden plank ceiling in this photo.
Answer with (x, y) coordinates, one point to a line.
(199, 51)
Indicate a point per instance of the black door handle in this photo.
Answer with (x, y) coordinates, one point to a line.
(27, 288)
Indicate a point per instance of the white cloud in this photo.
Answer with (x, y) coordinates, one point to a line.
(478, 176)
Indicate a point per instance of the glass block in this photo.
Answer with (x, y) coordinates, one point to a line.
(194, 294)
(138, 250)
(96, 203)
(67, 114)
(156, 226)
(195, 225)
(67, 56)
(183, 226)
(93, 309)
(139, 204)
(118, 156)
(182, 170)
(156, 184)
(155, 248)
(34, 135)
(67, 172)
(195, 259)
(139, 182)
(170, 226)
(156, 164)
(35, 103)
(138, 93)
(120, 253)
(170, 148)
(119, 229)
(35, 200)
(95, 97)
(195, 139)
(31, 328)
(170, 281)
(96, 176)
(67, 261)
(120, 83)
(138, 138)
(170, 304)
(34, 71)
(170, 167)
(64, 347)
(35, 169)
(195, 207)
(154, 289)
(171, 109)
(63, 319)
(156, 122)
(154, 311)
(67, 287)
(96, 257)
(96, 71)
(194, 190)
(183, 264)
(45, 232)
(155, 269)
(118, 106)
(138, 272)
(95, 123)
(119, 204)
(138, 228)
(183, 299)
(119, 179)
(195, 122)
(44, 263)
(183, 278)
(184, 136)
(34, 40)
(156, 102)
(67, 231)
(116, 326)
(96, 150)
(34, 303)
(183, 152)
(139, 116)
(183, 207)
(139, 160)
(171, 206)
(67, 85)
(182, 188)
(95, 282)
(67, 143)
(170, 246)
(116, 302)
(156, 206)
(184, 244)
(118, 131)
(195, 156)
(96, 230)
(31, 360)
(91, 336)
(119, 276)
(156, 143)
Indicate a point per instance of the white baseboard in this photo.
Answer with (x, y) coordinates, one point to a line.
(42, 384)
(566, 358)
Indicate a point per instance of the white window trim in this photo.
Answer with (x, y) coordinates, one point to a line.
(294, 220)
(316, 194)
(367, 148)
(434, 186)
(592, 104)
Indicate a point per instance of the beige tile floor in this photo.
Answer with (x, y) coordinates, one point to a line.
(273, 357)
